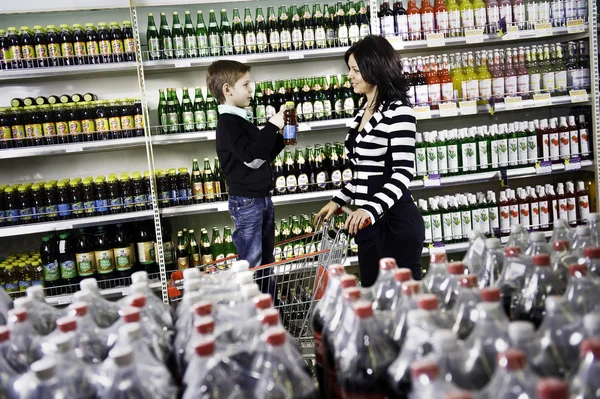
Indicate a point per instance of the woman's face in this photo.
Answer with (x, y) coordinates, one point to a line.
(358, 84)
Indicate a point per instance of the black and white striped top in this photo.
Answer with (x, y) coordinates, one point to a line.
(383, 157)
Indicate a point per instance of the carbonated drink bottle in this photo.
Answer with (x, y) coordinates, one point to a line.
(385, 288)
(493, 264)
(437, 276)
(465, 310)
(512, 379)
(583, 293)
(586, 383)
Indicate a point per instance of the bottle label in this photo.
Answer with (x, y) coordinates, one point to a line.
(435, 94)
(101, 125)
(475, 219)
(427, 22)
(79, 48)
(452, 158)
(532, 153)
(472, 89)
(574, 139)
(513, 151)
(483, 154)
(421, 94)
(468, 18)
(200, 119)
(75, 127)
(307, 110)
(23, 285)
(5, 132)
(494, 217)
(469, 156)
(502, 152)
(289, 132)
(522, 150)
(28, 52)
(514, 214)
(68, 269)
(564, 147)
(146, 252)
(480, 17)
(548, 81)
(442, 22)
(484, 220)
(498, 87)
(321, 179)
(88, 126)
(123, 259)
(105, 261)
(446, 226)
(117, 46)
(64, 209)
(535, 213)
(560, 80)
(571, 209)
(432, 163)
(102, 205)
(211, 117)
(85, 264)
(414, 26)
(402, 23)
(519, 13)
(12, 287)
(54, 50)
(209, 190)
(291, 184)
(436, 228)
(197, 191)
(280, 184)
(466, 222)
(447, 91)
(506, 13)
(554, 146)
(442, 157)
(104, 46)
(584, 206)
(510, 85)
(336, 178)
(454, 20)
(206, 259)
(238, 42)
(261, 40)
(303, 182)
(66, 49)
(153, 47)
(456, 225)
(349, 105)
(524, 215)
(505, 218)
(523, 84)
(51, 271)
(535, 83)
(129, 44)
(41, 51)
(127, 122)
(584, 141)
(188, 120)
(62, 128)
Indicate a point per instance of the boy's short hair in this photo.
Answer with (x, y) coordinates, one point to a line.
(221, 72)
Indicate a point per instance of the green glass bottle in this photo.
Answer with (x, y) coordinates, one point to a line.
(318, 97)
(214, 35)
(249, 34)
(262, 38)
(329, 28)
(217, 246)
(201, 35)
(166, 40)
(308, 30)
(209, 182)
(273, 30)
(260, 110)
(187, 112)
(285, 32)
(172, 117)
(237, 31)
(211, 111)
(307, 101)
(199, 110)
(189, 34)
(152, 36)
(162, 112)
(229, 246)
(341, 25)
(319, 27)
(297, 40)
(348, 97)
(197, 183)
(226, 36)
(178, 38)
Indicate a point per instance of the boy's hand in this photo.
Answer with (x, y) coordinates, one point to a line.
(277, 119)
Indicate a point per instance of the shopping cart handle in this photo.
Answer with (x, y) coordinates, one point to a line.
(348, 211)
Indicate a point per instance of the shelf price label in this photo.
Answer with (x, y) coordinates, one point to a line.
(572, 163)
(448, 109)
(422, 112)
(474, 35)
(65, 300)
(578, 96)
(435, 40)
(432, 180)
(575, 26)
(296, 55)
(304, 127)
(182, 64)
(543, 29)
(543, 168)
(437, 248)
(468, 107)
(512, 33)
(515, 102)
(542, 99)
(396, 42)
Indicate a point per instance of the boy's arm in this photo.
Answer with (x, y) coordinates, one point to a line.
(254, 155)
(277, 148)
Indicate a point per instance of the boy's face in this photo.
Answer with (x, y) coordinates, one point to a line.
(240, 94)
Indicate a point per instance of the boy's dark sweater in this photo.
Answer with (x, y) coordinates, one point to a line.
(246, 153)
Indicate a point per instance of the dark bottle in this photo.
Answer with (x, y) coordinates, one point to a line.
(116, 36)
(54, 51)
(89, 198)
(61, 123)
(101, 196)
(66, 260)
(24, 202)
(91, 44)
(48, 126)
(101, 121)
(145, 248)
(79, 45)
(138, 118)
(17, 128)
(126, 193)
(74, 121)
(173, 187)
(76, 198)
(14, 45)
(37, 203)
(182, 254)
(139, 195)
(63, 200)
(35, 121)
(220, 184)
(122, 251)
(28, 48)
(104, 45)
(114, 195)
(41, 46)
(85, 258)
(4, 55)
(104, 255)
(114, 120)
(162, 189)
(321, 175)
(126, 112)
(88, 126)
(128, 41)
(50, 203)
(66, 45)
(49, 255)
(184, 187)
(11, 208)
(148, 190)
(168, 246)
(5, 131)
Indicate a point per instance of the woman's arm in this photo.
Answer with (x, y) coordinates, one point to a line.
(400, 124)
(344, 196)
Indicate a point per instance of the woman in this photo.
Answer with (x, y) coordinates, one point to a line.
(381, 147)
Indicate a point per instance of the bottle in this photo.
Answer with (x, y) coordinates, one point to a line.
(40, 45)
(209, 182)
(197, 184)
(414, 21)
(116, 42)
(195, 259)
(467, 14)
(261, 32)
(226, 34)
(27, 48)
(85, 259)
(183, 261)
(165, 38)
(290, 125)
(49, 258)
(122, 253)
(104, 43)
(146, 254)
(66, 260)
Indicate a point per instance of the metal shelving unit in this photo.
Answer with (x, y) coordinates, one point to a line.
(72, 71)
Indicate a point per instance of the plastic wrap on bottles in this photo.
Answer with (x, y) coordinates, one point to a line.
(583, 291)
(465, 310)
(43, 317)
(191, 288)
(270, 318)
(522, 336)
(437, 278)
(159, 310)
(593, 221)
(24, 343)
(6, 304)
(537, 245)
(90, 340)
(119, 378)
(581, 240)
(513, 275)
(448, 354)
(519, 237)
(457, 272)
(562, 231)
(164, 336)
(559, 335)
(586, 382)
(552, 388)
(105, 313)
(493, 264)
(591, 325)
(474, 259)
(7, 372)
(512, 379)
(185, 332)
(47, 314)
(410, 294)
(43, 382)
(385, 288)
(427, 382)
(592, 260)
(561, 259)
(402, 275)
(202, 363)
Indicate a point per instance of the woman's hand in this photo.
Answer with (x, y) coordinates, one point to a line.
(325, 213)
(356, 220)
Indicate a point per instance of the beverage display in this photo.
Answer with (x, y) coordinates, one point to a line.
(293, 28)
(67, 119)
(203, 252)
(66, 45)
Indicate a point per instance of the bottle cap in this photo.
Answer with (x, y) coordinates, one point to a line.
(130, 332)
(593, 253)
(512, 359)
(205, 347)
(541, 260)
(438, 258)
(205, 325)
(490, 294)
(403, 274)
(276, 336)
(4, 334)
(426, 368)
(243, 278)
(336, 270)
(130, 314)
(348, 281)
(576, 268)
(35, 292)
(203, 308)
(352, 294)
(516, 229)
(469, 281)
(192, 284)
(89, 284)
(562, 245)
(138, 301)
(428, 302)
(363, 309)
(552, 388)
(387, 264)
(456, 268)
(67, 324)
(78, 309)
(519, 331)
(493, 243)
(512, 251)
(411, 288)
(590, 345)
(263, 301)
(270, 318)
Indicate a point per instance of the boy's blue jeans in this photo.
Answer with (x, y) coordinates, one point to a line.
(254, 236)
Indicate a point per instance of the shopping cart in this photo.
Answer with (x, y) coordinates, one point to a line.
(296, 282)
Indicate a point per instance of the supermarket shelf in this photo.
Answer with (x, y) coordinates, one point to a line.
(57, 300)
(73, 148)
(35, 6)
(70, 224)
(156, 3)
(10, 75)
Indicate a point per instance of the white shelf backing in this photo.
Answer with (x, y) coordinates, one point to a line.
(14, 75)
(35, 6)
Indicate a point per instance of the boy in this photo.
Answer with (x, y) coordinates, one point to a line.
(246, 153)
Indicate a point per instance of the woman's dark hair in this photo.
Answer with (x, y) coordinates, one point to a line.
(380, 65)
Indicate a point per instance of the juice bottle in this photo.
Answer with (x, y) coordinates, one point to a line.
(24, 204)
(85, 257)
(497, 72)
(11, 279)
(427, 17)
(505, 8)
(467, 14)
(104, 255)
(561, 202)
(504, 210)
(572, 206)
(49, 255)
(89, 197)
(41, 46)
(37, 203)
(583, 203)
(513, 207)
(66, 45)
(510, 76)
(104, 44)
(513, 145)
(75, 190)
(519, 16)
(63, 201)
(553, 201)
(442, 23)
(50, 204)
(37, 273)
(74, 121)
(446, 85)
(116, 42)
(14, 60)
(114, 195)
(524, 208)
(122, 251)
(66, 260)
(543, 141)
(54, 46)
(471, 80)
(126, 113)
(584, 138)
(434, 84)
(564, 134)
(145, 248)
(553, 140)
(532, 143)
(522, 73)
(128, 41)
(126, 193)
(493, 16)
(522, 142)
(79, 45)
(573, 137)
(138, 117)
(139, 196)
(91, 44)
(454, 19)
(534, 206)
(101, 196)
(414, 21)
(28, 48)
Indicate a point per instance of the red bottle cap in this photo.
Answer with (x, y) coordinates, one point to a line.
(411, 288)
(458, 395)
(4, 334)
(78, 309)
(348, 281)
(67, 324)
(336, 270)
(270, 318)
(424, 368)
(512, 359)
(130, 314)
(19, 314)
(562, 245)
(276, 337)
(403, 274)
(352, 293)
(438, 258)
(263, 301)
(203, 308)
(469, 281)
(206, 347)
(138, 301)
(541, 260)
(456, 268)
(490, 294)
(387, 264)
(552, 388)
(512, 251)
(577, 268)
(428, 302)
(205, 325)
(363, 309)
(590, 345)
(593, 253)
